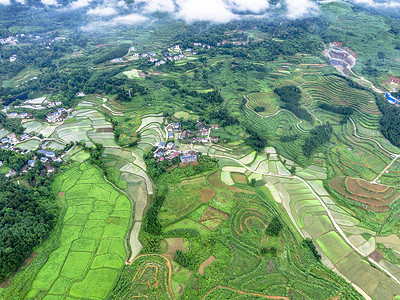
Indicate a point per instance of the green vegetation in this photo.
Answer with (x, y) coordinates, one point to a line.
(291, 96)
(89, 252)
(27, 216)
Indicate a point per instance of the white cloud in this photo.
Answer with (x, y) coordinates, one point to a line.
(204, 10)
(300, 8)
(79, 4)
(102, 11)
(131, 19)
(159, 5)
(4, 2)
(21, 1)
(255, 6)
(127, 20)
(50, 2)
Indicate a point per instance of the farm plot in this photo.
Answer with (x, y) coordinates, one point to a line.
(150, 119)
(355, 157)
(147, 275)
(76, 131)
(335, 91)
(29, 145)
(268, 101)
(92, 251)
(375, 197)
(3, 132)
(34, 126)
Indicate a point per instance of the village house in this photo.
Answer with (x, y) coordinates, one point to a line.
(11, 173)
(47, 153)
(1, 163)
(31, 163)
(172, 156)
(12, 138)
(188, 159)
(170, 145)
(24, 136)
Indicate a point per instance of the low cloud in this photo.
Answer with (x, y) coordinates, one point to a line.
(131, 19)
(79, 4)
(300, 8)
(158, 5)
(127, 20)
(102, 11)
(4, 2)
(205, 10)
(50, 2)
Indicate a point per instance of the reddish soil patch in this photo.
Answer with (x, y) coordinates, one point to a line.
(213, 217)
(376, 255)
(237, 190)
(26, 76)
(195, 163)
(206, 263)
(376, 197)
(173, 245)
(60, 194)
(213, 213)
(105, 129)
(393, 79)
(215, 180)
(207, 194)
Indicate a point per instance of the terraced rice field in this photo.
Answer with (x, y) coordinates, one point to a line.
(335, 91)
(269, 101)
(33, 126)
(357, 157)
(92, 249)
(3, 132)
(29, 145)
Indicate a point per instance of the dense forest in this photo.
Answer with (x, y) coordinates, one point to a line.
(390, 122)
(318, 136)
(26, 217)
(291, 96)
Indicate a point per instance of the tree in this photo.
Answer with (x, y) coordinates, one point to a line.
(274, 227)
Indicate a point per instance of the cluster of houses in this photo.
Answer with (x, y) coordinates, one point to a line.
(30, 164)
(11, 40)
(56, 116)
(8, 142)
(53, 104)
(201, 136)
(168, 150)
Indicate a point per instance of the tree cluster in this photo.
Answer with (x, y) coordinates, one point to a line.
(26, 217)
(291, 96)
(318, 136)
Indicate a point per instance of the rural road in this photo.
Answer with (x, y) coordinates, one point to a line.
(396, 156)
(336, 226)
